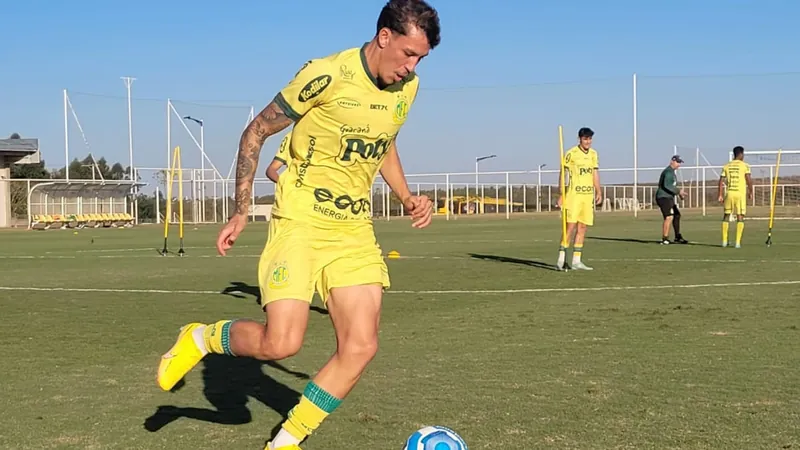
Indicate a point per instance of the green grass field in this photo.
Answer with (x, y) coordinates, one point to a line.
(660, 347)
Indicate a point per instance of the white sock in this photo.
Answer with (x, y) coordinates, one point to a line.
(562, 256)
(197, 335)
(284, 439)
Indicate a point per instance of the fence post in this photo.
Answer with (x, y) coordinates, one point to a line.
(704, 192)
(447, 196)
(508, 198)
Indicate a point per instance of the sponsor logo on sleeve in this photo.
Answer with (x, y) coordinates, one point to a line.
(314, 88)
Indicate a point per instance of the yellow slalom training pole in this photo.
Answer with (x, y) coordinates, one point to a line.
(773, 197)
(170, 178)
(561, 187)
(180, 200)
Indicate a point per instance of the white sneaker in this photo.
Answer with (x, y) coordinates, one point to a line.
(581, 266)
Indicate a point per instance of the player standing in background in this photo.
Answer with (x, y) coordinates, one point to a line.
(665, 198)
(281, 156)
(736, 177)
(347, 109)
(582, 194)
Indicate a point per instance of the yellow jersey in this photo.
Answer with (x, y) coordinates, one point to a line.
(580, 166)
(284, 154)
(344, 126)
(734, 174)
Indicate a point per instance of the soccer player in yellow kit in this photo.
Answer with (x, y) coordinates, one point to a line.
(347, 110)
(582, 192)
(280, 159)
(736, 178)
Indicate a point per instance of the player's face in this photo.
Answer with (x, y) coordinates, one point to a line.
(401, 53)
(586, 143)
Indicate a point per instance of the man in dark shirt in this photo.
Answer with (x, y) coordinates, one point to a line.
(665, 198)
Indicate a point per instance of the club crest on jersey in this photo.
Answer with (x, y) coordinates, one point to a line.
(279, 275)
(400, 111)
(359, 148)
(314, 88)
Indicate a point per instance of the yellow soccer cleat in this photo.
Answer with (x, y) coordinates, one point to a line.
(290, 447)
(180, 359)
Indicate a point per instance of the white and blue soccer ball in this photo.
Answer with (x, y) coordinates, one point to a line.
(435, 438)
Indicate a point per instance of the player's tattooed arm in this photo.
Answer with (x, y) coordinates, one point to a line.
(269, 121)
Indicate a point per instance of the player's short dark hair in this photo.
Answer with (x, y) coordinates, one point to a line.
(585, 132)
(397, 15)
(738, 150)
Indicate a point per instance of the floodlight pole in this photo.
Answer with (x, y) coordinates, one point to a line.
(539, 188)
(66, 135)
(128, 82)
(131, 172)
(477, 160)
(635, 147)
(202, 167)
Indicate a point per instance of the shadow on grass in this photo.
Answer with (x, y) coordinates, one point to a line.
(506, 259)
(229, 383)
(644, 241)
(241, 290)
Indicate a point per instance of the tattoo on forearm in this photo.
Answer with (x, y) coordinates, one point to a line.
(268, 122)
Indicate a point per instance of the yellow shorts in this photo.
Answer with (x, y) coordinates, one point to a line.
(580, 211)
(735, 203)
(300, 259)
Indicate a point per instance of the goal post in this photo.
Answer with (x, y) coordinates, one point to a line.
(776, 182)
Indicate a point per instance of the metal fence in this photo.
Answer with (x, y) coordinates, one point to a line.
(639, 116)
(454, 194)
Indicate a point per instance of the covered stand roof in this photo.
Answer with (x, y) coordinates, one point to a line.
(78, 188)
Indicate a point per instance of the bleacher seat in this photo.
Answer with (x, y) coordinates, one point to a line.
(78, 221)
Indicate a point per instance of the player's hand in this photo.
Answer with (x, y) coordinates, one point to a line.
(559, 203)
(682, 193)
(598, 198)
(720, 199)
(421, 209)
(229, 233)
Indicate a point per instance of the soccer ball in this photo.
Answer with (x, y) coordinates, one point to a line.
(435, 438)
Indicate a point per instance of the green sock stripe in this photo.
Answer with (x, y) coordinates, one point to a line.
(226, 338)
(561, 248)
(577, 249)
(322, 399)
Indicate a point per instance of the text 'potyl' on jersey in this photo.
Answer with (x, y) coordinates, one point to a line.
(580, 166)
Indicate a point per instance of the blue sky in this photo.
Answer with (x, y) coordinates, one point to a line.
(501, 82)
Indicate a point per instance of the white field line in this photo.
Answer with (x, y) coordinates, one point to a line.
(420, 257)
(419, 292)
(146, 249)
